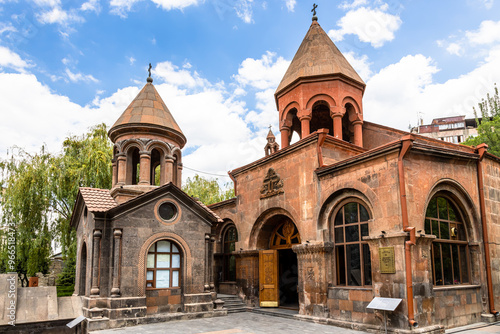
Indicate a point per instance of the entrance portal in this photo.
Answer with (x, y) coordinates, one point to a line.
(278, 266)
(288, 279)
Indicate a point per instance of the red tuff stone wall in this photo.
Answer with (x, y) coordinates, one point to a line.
(491, 171)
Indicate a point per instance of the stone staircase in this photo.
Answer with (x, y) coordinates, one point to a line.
(232, 303)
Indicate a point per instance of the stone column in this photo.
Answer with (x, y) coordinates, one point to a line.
(114, 177)
(117, 234)
(145, 168)
(305, 125)
(96, 265)
(315, 276)
(211, 263)
(207, 242)
(358, 133)
(179, 175)
(122, 169)
(285, 136)
(337, 113)
(169, 170)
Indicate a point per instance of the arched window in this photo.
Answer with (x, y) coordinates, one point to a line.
(285, 235)
(352, 254)
(450, 250)
(163, 266)
(229, 246)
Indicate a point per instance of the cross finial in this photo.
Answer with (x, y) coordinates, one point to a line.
(270, 126)
(149, 77)
(314, 9)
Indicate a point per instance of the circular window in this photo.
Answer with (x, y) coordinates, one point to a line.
(167, 211)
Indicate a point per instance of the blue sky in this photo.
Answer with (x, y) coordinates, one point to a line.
(67, 65)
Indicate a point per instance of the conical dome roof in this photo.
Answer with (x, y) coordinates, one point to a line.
(148, 113)
(317, 56)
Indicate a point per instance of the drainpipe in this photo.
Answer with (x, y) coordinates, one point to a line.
(407, 143)
(481, 149)
(234, 182)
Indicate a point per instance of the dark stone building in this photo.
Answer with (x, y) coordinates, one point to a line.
(351, 211)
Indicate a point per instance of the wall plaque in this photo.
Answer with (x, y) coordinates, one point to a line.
(387, 261)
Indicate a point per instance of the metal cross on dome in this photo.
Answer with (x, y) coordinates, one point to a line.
(314, 9)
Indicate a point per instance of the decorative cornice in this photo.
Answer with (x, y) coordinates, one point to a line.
(324, 247)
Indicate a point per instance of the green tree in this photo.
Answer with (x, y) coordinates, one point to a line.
(26, 212)
(489, 127)
(207, 191)
(85, 162)
(37, 196)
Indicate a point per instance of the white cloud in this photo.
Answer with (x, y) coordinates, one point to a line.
(213, 120)
(91, 6)
(352, 4)
(77, 77)
(392, 94)
(171, 74)
(131, 60)
(6, 28)
(374, 26)
(122, 7)
(46, 117)
(395, 94)
(12, 60)
(47, 3)
(175, 4)
(488, 33)
(488, 3)
(59, 16)
(262, 73)
(244, 10)
(361, 65)
(290, 4)
(454, 49)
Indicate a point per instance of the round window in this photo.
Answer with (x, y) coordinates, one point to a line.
(167, 211)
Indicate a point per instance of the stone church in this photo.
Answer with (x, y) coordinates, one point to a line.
(351, 211)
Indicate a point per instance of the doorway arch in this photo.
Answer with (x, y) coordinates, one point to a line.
(278, 266)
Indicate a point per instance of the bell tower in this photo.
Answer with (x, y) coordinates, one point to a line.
(320, 89)
(147, 146)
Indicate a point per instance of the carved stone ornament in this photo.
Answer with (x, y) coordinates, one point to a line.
(272, 185)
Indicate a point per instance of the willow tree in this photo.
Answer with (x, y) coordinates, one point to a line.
(85, 162)
(38, 194)
(26, 212)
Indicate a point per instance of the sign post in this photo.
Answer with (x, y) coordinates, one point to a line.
(384, 304)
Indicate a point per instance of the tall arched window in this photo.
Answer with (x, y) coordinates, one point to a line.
(352, 254)
(230, 238)
(450, 250)
(163, 266)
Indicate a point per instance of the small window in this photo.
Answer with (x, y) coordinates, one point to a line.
(163, 266)
(168, 211)
(450, 249)
(352, 254)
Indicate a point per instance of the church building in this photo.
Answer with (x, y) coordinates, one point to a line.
(350, 211)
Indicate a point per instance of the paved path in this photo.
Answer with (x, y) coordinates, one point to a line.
(252, 323)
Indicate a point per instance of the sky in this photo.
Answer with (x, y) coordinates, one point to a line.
(68, 65)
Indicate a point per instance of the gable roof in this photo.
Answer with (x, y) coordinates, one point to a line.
(317, 56)
(97, 200)
(191, 202)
